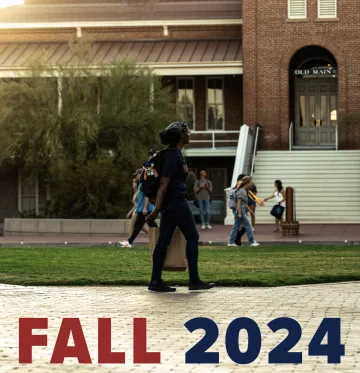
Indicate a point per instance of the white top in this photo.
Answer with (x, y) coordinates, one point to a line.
(278, 198)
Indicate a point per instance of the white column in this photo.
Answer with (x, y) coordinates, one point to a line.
(152, 96)
(59, 85)
(36, 193)
(238, 169)
(229, 220)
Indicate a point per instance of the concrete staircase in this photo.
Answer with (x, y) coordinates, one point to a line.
(326, 183)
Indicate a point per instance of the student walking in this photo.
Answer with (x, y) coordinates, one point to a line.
(242, 201)
(252, 206)
(136, 178)
(175, 211)
(203, 189)
(233, 207)
(143, 208)
(280, 200)
(132, 213)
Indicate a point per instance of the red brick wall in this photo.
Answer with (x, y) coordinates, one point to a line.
(38, 35)
(232, 102)
(270, 41)
(120, 34)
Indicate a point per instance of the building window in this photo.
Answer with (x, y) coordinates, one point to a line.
(327, 8)
(28, 196)
(297, 9)
(185, 103)
(215, 104)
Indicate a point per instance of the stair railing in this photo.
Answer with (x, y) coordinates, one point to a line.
(254, 148)
(291, 137)
(241, 165)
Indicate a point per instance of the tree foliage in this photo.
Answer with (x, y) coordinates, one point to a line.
(87, 145)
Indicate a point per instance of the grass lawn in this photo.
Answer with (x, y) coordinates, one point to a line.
(264, 266)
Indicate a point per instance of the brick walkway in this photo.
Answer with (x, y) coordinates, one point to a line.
(309, 234)
(167, 313)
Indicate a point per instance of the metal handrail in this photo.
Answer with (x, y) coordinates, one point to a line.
(254, 148)
(291, 136)
(213, 134)
(337, 136)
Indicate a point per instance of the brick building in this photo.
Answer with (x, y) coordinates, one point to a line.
(280, 42)
(291, 66)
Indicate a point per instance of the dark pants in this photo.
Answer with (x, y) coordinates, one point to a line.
(138, 226)
(177, 214)
(239, 235)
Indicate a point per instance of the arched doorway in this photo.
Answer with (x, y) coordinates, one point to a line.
(313, 97)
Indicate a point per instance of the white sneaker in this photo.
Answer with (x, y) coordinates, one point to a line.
(203, 227)
(232, 244)
(209, 226)
(254, 244)
(125, 244)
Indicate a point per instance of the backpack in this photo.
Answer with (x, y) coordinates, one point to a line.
(232, 199)
(149, 178)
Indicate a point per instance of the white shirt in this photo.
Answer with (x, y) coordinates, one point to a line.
(278, 198)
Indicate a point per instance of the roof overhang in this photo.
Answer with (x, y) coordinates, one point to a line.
(224, 68)
(105, 24)
(166, 58)
(209, 152)
(200, 69)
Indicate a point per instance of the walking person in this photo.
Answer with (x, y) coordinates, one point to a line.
(136, 178)
(252, 206)
(144, 207)
(242, 201)
(233, 207)
(175, 211)
(280, 200)
(203, 189)
(132, 213)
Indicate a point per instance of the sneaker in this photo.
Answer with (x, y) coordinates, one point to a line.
(238, 243)
(209, 226)
(254, 244)
(201, 285)
(232, 244)
(125, 244)
(160, 287)
(203, 227)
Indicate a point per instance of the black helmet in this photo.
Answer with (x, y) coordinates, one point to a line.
(182, 127)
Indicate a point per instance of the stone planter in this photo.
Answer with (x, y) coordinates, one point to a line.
(62, 227)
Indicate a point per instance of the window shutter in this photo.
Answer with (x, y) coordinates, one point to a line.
(327, 8)
(297, 8)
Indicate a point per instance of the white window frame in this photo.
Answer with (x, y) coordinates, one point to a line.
(178, 78)
(20, 177)
(207, 103)
(327, 17)
(297, 17)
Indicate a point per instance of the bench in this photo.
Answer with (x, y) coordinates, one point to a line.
(216, 208)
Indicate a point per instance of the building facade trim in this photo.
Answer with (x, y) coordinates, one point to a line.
(144, 23)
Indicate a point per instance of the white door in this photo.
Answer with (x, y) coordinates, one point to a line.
(315, 112)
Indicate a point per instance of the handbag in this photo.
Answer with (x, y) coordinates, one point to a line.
(175, 258)
(277, 211)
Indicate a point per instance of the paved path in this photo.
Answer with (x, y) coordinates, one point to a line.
(310, 234)
(167, 313)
